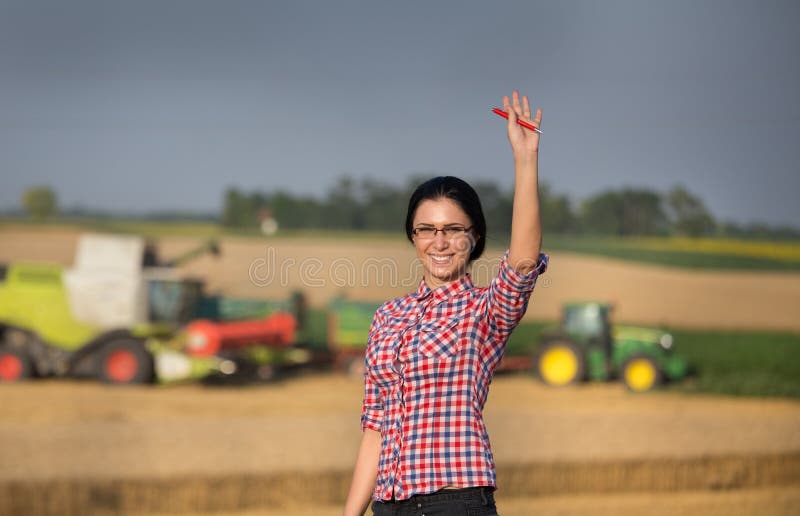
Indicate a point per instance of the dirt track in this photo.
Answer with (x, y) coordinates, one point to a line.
(378, 270)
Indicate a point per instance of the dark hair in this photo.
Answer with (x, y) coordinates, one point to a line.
(449, 187)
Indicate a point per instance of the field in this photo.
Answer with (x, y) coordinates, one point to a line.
(590, 449)
(680, 252)
(379, 268)
(708, 254)
(741, 363)
(189, 449)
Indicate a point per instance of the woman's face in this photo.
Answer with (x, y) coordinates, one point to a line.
(444, 257)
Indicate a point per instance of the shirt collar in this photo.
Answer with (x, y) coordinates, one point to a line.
(447, 290)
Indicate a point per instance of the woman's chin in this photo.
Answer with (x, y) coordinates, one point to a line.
(445, 274)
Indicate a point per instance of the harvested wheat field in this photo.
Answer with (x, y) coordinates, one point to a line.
(190, 449)
(376, 270)
(747, 502)
(75, 448)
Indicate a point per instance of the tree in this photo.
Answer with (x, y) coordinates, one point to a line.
(602, 214)
(556, 212)
(497, 208)
(342, 207)
(384, 206)
(643, 213)
(238, 210)
(40, 202)
(689, 215)
(624, 213)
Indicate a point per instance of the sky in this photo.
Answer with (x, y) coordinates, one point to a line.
(162, 105)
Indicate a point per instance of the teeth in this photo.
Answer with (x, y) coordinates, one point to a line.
(440, 259)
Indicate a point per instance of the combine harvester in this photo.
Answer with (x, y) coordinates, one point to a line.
(120, 317)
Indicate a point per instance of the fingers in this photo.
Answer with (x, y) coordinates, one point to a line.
(512, 115)
(523, 108)
(507, 106)
(538, 120)
(517, 109)
(526, 107)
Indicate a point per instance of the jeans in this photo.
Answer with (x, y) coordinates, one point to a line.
(471, 501)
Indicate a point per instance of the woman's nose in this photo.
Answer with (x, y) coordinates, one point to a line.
(440, 241)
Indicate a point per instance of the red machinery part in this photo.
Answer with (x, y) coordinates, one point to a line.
(206, 338)
(10, 368)
(121, 366)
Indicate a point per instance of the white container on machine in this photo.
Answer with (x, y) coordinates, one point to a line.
(106, 287)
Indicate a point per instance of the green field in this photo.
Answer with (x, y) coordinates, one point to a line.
(741, 363)
(722, 362)
(681, 253)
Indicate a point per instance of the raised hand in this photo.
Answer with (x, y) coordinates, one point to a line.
(524, 142)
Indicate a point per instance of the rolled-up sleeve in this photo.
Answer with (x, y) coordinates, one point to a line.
(372, 407)
(509, 294)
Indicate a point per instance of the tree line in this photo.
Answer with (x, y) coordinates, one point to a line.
(371, 205)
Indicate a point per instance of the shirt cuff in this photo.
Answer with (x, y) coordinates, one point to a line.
(369, 422)
(519, 281)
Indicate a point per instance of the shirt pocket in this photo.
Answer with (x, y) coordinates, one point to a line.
(440, 339)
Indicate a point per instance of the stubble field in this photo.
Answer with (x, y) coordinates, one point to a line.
(263, 450)
(376, 270)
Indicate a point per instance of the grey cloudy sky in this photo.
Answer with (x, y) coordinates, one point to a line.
(145, 105)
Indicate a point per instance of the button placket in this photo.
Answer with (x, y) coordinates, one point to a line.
(399, 368)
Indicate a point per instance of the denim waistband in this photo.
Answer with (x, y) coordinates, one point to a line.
(466, 493)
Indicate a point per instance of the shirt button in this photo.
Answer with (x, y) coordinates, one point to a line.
(419, 505)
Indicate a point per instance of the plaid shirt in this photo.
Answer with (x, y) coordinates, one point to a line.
(430, 359)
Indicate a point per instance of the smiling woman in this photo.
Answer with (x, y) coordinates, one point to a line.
(440, 225)
(431, 354)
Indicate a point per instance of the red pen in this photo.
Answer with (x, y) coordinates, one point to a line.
(526, 125)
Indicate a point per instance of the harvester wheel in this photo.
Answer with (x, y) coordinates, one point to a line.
(559, 362)
(640, 373)
(125, 361)
(15, 365)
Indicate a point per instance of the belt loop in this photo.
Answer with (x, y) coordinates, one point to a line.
(483, 496)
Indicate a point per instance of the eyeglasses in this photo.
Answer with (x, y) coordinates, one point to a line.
(449, 232)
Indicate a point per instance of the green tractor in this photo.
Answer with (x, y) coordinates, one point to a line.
(586, 346)
(108, 317)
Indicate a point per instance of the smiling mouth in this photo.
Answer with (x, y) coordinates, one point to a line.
(441, 259)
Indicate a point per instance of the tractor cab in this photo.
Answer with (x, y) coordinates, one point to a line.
(173, 301)
(588, 324)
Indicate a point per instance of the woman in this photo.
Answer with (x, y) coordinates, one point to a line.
(431, 354)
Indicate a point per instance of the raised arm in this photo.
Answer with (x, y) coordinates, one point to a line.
(526, 226)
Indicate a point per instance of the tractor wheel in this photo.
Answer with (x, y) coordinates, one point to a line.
(124, 361)
(640, 373)
(560, 362)
(15, 365)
